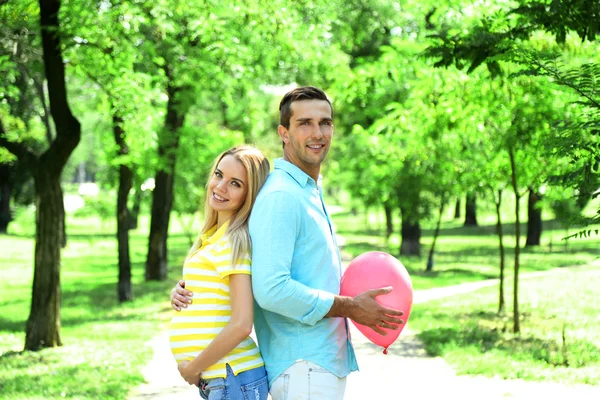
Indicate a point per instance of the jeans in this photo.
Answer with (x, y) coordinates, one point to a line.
(305, 380)
(248, 385)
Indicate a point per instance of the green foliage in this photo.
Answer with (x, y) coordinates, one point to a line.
(102, 206)
(504, 27)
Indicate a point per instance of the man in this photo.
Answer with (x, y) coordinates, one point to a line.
(300, 319)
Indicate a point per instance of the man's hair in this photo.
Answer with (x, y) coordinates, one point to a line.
(301, 93)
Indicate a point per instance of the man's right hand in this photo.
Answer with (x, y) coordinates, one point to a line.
(369, 312)
(365, 310)
(180, 297)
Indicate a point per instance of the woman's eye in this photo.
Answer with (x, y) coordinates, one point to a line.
(218, 174)
(234, 183)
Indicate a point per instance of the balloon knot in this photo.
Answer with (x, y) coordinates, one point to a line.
(385, 351)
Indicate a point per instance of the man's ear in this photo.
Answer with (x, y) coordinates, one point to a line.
(283, 133)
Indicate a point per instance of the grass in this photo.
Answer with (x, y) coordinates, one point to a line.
(104, 342)
(560, 330)
(467, 330)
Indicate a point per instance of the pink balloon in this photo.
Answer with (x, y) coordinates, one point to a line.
(375, 270)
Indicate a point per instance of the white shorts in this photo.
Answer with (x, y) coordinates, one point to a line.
(307, 381)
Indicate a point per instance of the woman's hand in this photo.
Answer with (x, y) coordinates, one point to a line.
(180, 297)
(191, 377)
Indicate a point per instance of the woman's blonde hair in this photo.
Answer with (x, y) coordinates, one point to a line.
(257, 169)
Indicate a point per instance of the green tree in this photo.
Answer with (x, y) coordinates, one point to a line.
(43, 324)
(512, 32)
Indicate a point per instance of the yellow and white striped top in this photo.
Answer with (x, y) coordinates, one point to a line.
(206, 274)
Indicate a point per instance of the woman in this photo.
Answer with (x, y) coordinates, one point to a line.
(210, 337)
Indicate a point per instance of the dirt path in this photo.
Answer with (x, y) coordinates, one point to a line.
(407, 372)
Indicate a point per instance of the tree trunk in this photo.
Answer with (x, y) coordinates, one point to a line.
(389, 223)
(162, 197)
(43, 325)
(513, 168)
(499, 231)
(411, 235)
(435, 236)
(124, 290)
(135, 210)
(5, 195)
(457, 209)
(534, 219)
(63, 237)
(471, 210)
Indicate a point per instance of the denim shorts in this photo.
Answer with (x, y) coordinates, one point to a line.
(248, 385)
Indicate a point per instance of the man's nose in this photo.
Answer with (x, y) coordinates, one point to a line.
(317, 132)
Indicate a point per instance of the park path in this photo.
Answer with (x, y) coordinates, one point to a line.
(407, 372)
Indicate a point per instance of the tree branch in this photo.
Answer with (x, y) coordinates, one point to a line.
(564, 82)
(18, 149)
(68, 128)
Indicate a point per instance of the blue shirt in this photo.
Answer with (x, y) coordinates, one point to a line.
(296, 272)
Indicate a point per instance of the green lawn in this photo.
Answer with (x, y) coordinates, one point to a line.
(560, 329)
(104, 343)
(467, 331)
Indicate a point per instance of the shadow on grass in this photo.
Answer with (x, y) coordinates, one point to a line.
(466, 273)
(509, 229)
(486, 331)
(95, 302)
(10, 325)
(356, 248)
(60, 381)
(467, 253)
(100, 302)
(11, 354)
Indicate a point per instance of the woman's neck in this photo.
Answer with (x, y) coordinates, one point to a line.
(223, 218)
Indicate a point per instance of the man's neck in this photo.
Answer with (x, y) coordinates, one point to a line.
(312, 172)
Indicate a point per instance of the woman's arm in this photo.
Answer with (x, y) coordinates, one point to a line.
(238, 329)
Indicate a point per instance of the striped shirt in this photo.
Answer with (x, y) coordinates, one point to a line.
(206, 273)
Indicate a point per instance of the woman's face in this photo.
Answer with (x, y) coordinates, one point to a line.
(228, 187)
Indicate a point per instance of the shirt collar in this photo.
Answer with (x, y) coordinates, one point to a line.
(213, 234)
(295, 172)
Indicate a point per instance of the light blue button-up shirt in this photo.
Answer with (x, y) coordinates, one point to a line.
(296, 271)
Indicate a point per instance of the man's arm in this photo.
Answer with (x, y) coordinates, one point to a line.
(365, 310)
(274, 225)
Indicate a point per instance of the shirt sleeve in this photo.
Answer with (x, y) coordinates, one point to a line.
(274, 225)
(222, 255)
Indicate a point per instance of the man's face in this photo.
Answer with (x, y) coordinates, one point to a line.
(308, 138)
